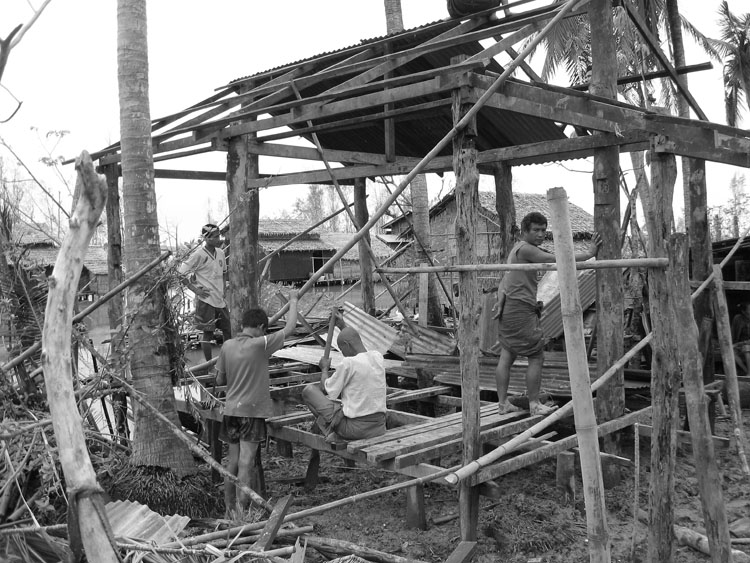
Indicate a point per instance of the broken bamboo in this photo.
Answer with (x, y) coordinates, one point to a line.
(549, 266)
(583, 402)
(88, 523)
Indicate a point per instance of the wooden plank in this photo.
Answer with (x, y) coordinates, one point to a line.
(491, 435)
(314, 441)
(274, 522)
(463, 553)
(418, 394)
(398, 433)
(290, 419)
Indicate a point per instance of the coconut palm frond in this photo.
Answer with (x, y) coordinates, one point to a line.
(710, 46)
(731, 104)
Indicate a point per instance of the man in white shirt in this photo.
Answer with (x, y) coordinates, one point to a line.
(204, 273)
(359, 384)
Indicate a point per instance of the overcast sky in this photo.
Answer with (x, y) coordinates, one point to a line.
(65, 72)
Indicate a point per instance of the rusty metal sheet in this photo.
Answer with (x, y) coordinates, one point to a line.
(549, 292)
(312, 355)
(134, 521)
(382, 336)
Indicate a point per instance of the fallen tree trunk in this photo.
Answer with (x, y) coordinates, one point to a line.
(88, 526)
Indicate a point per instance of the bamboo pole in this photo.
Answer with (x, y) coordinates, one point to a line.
(221, 535)
(580, 386)
(510, 446)
(546, 266)
(344, 548)
(88, 524)
(723, 328)
(91, 308)
(466, 119)
(696, 401)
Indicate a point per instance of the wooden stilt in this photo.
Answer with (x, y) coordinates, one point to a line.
(467, 202)
(706, 467)
(415, 512)
(665, 374)
(724, 331)
(566, 475)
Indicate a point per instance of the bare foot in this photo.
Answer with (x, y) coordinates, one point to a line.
(538, 409)
(507, 407)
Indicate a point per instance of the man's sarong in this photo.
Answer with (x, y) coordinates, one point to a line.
(520, 330)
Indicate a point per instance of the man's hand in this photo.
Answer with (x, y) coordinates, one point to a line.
(199, 291)
(596, 242)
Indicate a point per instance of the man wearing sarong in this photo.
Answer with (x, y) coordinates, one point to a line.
(520, 313)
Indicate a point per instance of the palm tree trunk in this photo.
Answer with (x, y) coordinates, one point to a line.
(153, 444)
(419, 198)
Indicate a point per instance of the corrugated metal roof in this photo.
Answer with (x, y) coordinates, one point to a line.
(382, 336)
(417, 133)
(312, 355)
(134, 521)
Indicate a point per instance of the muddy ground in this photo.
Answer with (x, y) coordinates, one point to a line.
(533, 521)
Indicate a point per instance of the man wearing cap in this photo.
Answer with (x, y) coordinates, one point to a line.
(359, 383)
(204, 273)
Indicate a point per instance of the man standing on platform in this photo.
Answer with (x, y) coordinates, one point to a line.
(520, 313)
(243, 368)
(204, 273)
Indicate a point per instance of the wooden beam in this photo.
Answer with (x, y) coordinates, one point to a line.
(165, 174)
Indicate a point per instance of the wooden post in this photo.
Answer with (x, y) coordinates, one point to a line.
(243, 230)
(115, 307)
(665, 375)
(580, 382)
(701, 257)
(416, 517)
(365, 260)
(467, 202)
(706, 468)
(89, 526)
(422, 296)
(565, 476)
(723, 328)
(506, 209)
(609, 289)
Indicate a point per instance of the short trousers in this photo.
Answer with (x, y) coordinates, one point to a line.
(235, 429)
(207, 318)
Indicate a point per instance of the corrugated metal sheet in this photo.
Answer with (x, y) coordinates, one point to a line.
(135, 521)
(312, 355)
(401, 343)
(549, 292)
